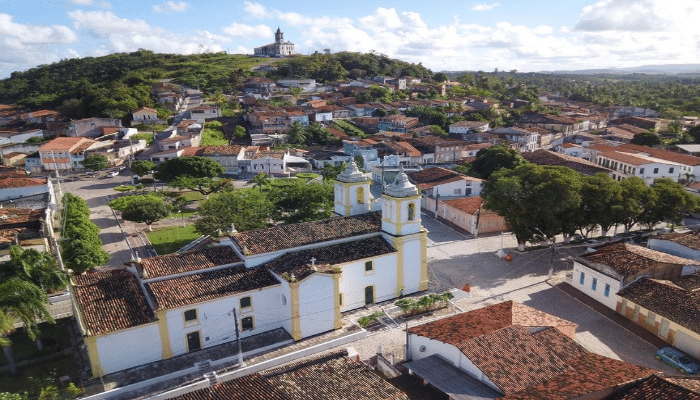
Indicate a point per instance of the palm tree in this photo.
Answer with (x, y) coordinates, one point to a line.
(25, 279)
(261, 180)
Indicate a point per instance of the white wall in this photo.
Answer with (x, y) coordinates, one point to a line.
(599, 294)
(16, 193)
(674, 248)
(412, 264)
(316, 304)
(215, 320)
(354, 279)
(129, 348)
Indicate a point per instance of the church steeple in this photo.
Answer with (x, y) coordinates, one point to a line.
(401, 207)
(279, 36)
(352, 194)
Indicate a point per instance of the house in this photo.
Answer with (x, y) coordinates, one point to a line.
(638, 121)
(41, 116)
(64, 153)
(468, 213)
(226, 155)
(325, 376)
(257, 84)
(443, 183)
(612, 267)
(361, 110)
(25, 227)
(321, 158)
(547, 157)
(625, 164)
(12, 188)
(308, 85)
(668, 307)
(280, 48)
(659, 387)
(117, 152)
(512, 350)
(298, 277)
(13, 159)
(681, 244)
(396, 123)
(566, 125)
(91, 127)
(467, 127)
(690, 165)
(12, 137)
(408, 155)
(523, 139)
(201, 113)
(144, 115)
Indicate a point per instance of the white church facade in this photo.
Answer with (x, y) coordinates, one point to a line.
(279, 48)
(299, 277)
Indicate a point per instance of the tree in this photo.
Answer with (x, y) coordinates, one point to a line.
(495, 158)
(82, 247)
(440, 77)
(330, 171)
(193, 167)
(637, 199)
(142, 167)
(121, 203)
(146, 211)
(672, 202)
(533, 198)
(245, 208)
(24, 280)
(601, 195)
(95, 162)
(261, 181)
(649, 139)
(239, 132)
(298, 201)
(297, 135)
(205, 186)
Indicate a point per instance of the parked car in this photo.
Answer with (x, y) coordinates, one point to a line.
(677, 359)
(113, 174)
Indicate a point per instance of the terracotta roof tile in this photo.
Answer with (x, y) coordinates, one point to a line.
(221, 150)
(677, 299)
(588, 374)
(462, 327)
(688, 382)
(172, 264)
(11, 182)
(188, 151)
(111, 300)
(283, 237)
(249, 387)
(690, 239)
(664, 154)
(10, 216)
(546, 157)
(628, 259)
(191, 289)
(655, 388)
(327, 257)
(431, 177)
(64, 143)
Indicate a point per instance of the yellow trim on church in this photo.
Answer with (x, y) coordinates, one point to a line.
(337, 321)
(398, 243)
(94, 355)
(164, 334)
(296, 319)
(423, 260)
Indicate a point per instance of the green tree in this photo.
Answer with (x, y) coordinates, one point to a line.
(297, 135)
(261, 181)
(672, 202)
(649, 139)
(142, 167)
(193, 167)
(81, 247)
(330, 172)
(95, 162)
(495, 158)
(239, 132)
(601, 196)
(146, 211)
(637, 200)
(121, 203)
(533, 198)
(205, 186)
(245, 208)
(298, 201)
(440, 77)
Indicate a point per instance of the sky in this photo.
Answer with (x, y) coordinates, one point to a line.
(443, 35)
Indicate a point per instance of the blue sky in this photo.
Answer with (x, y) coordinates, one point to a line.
(441, 34)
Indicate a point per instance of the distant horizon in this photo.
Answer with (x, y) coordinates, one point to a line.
(441, 35)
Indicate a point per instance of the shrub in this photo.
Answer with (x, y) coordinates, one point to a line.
(367, 320)
(424, 304)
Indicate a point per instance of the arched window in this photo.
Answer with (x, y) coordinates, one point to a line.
(360, 195)
(411, 211)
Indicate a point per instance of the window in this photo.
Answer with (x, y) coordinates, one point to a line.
(594, 284)
(340, 299)
(641, 171)
(458, 191)
(246, 302)
(369, 266)
(656, 170)
(582, 278)
(607, 290)
(247, 323)
(411, 212)
(670, 170)
(190, 315)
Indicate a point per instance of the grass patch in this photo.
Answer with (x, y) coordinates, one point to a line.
(192, 196)
(143, 136)
(125, 188)
(368, 320)
(213, 134)
(169, 240)
(186, 213)
(307, 175)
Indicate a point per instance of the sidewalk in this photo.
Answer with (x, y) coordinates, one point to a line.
(610, 314)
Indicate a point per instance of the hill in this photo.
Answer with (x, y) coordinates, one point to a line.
(116, 84)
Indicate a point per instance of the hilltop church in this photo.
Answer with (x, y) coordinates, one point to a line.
(298, 277)
(278, 49)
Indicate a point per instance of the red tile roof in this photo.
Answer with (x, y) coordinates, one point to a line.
(111, 300)
(431, 177)
(249, 387)
(625, 158)
(629, 259)
(192, 289)
(325, 258)
(173, 264)
(289, 236)
(65, 143)
(546, 157)
(221, 150)
(664, 154)
(469, 205)
(6, 183)
(655, 388)
(690, 239)
(9, 216)
(463, 327)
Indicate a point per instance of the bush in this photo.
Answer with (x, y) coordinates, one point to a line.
(424, 304)
(368, 320)
(125, 188)
(307, 175)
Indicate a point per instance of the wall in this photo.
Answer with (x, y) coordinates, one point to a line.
(128, 348)
(16, 193)
(353, 281)
(316, 304)
(215, 321)
(674, 248)
(599, 294)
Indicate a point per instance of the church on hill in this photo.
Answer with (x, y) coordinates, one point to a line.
(278, 49)
(298, 277)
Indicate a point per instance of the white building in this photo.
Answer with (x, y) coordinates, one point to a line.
(299, 277)
(145, 115)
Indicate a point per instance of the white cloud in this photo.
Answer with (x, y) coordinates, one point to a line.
(171, 6)
(248, 31)
(485, 7)
(256, 10)
(122, 35)
(83, 2)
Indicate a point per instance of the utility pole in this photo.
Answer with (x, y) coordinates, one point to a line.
(238, 340)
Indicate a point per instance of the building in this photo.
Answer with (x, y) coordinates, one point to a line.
(686, 244)
(547, 157)
(64, 153)
(91, 127)
(145, 115)
(279, 48)
(464, 128)
(439, 183)
(201, 113)
(298, 277)
(511, 351)
(469, 214)
(611, 268)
